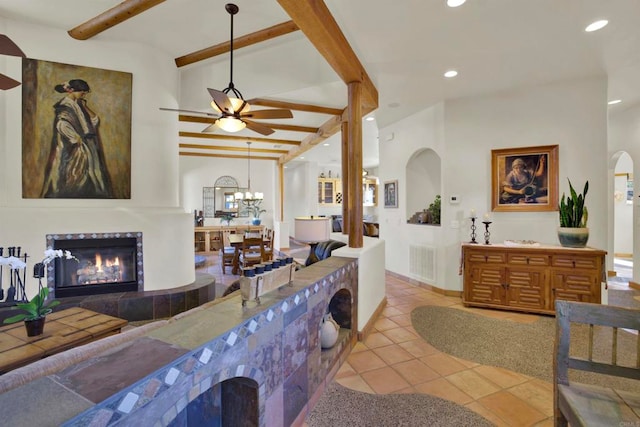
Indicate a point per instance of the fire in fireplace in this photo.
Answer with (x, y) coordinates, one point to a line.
(106, 263)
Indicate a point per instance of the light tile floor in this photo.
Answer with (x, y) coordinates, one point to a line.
(395, 359)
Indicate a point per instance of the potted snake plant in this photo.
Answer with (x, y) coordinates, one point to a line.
(573, 231)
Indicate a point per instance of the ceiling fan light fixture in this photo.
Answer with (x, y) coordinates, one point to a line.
(236, 104)
(230, 124)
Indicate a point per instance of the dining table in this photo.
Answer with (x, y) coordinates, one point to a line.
(236, 241)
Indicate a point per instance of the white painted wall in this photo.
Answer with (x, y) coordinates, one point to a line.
(153, 208)
(570, 114)
(623, 210)
(624, 136)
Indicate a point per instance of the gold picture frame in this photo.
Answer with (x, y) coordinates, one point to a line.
(524, 179)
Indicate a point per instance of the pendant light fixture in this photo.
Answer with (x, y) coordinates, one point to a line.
(249, 199)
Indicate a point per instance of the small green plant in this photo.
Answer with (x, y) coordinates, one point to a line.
(434, 210)
(226, 218)
(573, 212)
(34, 309)
(254, 211)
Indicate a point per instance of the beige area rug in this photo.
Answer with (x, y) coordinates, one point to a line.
(523, 348)
(340, 406)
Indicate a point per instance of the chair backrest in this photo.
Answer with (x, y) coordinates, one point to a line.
(607, 316)
(253, 244)
(225, 237)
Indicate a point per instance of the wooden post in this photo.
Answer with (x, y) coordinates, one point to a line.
(345, 177)
(354, 130)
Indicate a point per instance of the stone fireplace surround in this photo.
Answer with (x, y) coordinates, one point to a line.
(274, 345)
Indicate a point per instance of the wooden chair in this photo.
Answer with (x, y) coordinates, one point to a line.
(227, 252)
(252, 251)
(584, 404)
(268, 245)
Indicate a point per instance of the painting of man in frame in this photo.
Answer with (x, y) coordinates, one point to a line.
(76, 131)
(391, 194)
(524, 179)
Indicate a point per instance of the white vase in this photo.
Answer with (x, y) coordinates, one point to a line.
(328, 331)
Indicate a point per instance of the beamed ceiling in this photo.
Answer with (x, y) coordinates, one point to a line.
(301, 53)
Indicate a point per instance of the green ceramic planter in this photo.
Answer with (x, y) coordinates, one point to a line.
(573, 237)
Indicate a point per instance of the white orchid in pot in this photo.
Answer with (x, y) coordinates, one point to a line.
(35, 310)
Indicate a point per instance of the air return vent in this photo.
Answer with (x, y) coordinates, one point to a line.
(422, 262)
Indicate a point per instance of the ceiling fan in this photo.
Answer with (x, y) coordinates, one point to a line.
(8, 47)
(233, 113)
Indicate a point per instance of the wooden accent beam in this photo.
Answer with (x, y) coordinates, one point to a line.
(237, 138)
(228, 148)
(327, 129)
(239, 42)
(112, 17)
(344, 151)
(277, 126)
(225, 156)
(354, 141)
(315, 20)
(263, 102)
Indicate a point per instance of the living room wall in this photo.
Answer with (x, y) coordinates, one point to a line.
(153, 208)
(571, 114)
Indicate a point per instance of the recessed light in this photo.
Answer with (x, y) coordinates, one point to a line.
(597, 25)
(450, 73)
(615, 101)
(394, 105)
(326, 144)
(301, 157)
(370, 119)
(455, 3)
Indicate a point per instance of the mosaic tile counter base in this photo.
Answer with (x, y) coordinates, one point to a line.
(262, 361)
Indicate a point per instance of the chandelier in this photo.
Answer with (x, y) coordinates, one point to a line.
(248, 198)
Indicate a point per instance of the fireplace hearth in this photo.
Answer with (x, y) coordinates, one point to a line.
(106, 263)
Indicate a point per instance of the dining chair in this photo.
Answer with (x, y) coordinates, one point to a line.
(227, 252)
(252, 251)
(268, 244)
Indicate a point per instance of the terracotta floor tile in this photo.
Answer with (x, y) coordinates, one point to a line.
(401, 319)
(345, 371)
(382, 324)
(513, 410)
(393, 354)
(359, 347)
(390, 312)
(537, 393)
(399, 335)
(385, 380)
(377, 339)
(415, 372)
(445, 390)
(418, 347)
(355, 383)
(443, 364)
(365, 361)
(484, 412)
(472, 383)
(466, 363)
(502, 377)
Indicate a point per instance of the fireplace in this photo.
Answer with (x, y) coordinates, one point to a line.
(106, 263)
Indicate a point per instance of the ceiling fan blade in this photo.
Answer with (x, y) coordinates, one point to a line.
(7, 82)
(222, 100)
(268, 114)
(189, 111)
(7, 47)
(211, 128)
(257, 127)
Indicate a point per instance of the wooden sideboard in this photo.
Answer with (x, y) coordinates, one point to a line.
(209, 238)
(530, 278)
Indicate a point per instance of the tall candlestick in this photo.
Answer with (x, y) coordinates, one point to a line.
(473, 230)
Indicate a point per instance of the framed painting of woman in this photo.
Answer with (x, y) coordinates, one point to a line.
(76, 133)
(524, 179)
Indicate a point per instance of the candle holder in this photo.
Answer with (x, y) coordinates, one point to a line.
(486, 232)
(473, 230)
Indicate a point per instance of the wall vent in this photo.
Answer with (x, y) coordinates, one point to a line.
(422, 263)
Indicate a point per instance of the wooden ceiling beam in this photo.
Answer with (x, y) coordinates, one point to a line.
(263, 102)
(228, 148)
(315, 20)
(112, 17)
(239, 42)
(328, 128)
(278, 126)
(237, 138)
(225, 156)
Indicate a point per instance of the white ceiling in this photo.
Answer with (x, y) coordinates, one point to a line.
(405, 46)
